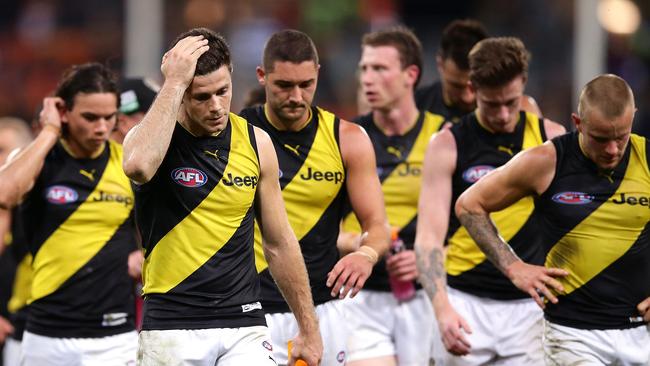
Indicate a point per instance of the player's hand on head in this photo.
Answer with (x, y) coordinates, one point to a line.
(179, 63)
(50, 115)
(349, 274)
(538, 281)
(453, 330)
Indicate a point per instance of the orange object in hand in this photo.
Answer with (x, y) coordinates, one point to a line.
(299, 362)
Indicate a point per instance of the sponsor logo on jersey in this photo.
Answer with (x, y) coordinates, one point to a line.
(113, 319)
(317, 175)
(473, 174)
(636, 319)
(293, 148)
(573, 198)
(61, 195)
(247, 181)
(405, 169)
(189, 177)
(394, 150)
(631, 200)
(506, 149)
(213, 154)
(108, 197)
(250, 307)
(280, 173)
(88, 174)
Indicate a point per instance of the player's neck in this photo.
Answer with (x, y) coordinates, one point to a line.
(397, 120)
(75, 149)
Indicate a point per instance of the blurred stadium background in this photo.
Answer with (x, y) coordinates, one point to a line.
(570, 41)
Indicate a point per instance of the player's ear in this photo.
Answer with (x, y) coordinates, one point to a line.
(261, 75)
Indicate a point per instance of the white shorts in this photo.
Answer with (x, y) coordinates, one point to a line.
(382, 326)
(11, 352)
(206, 347)
(118, 350)
(570, 346)
(333, 330)
(504, 332)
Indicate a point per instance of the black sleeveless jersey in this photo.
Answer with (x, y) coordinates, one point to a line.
(79, 229)
(196, 218)
(22, 283)
(399, 167)
(479, 152)
(430, 98)
(596, 227)
(312, 178)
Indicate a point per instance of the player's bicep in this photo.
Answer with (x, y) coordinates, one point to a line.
(362, 182)
(269, 206)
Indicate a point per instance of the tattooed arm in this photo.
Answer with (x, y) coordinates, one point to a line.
(498, 190)
(433, 219)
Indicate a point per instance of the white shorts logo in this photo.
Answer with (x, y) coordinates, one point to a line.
(250, 307)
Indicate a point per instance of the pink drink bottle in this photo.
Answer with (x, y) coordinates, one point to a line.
(402, 290)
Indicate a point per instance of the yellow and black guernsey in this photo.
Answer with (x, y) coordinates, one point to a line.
(196, 216)
(431, 99)
(22, 285)
(480, 151)
(399, 167)
(595, 225)
(312, 178)
(79, 228)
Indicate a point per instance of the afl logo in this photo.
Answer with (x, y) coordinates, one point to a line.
(189, 177)
(60, 195)
(473, 174)
(573, 198)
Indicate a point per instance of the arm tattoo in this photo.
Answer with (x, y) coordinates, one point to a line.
(432, 270)
(486, 236)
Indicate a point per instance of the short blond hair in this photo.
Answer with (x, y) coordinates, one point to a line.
(609, 93)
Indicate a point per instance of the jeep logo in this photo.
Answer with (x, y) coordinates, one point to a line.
(317, 175)
(247, 181)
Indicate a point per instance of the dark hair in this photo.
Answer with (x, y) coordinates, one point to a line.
(86, 78)
(288, 45)
(608, 93)
(403, 40)
(494, 62)
(218, 55)
(457, 40)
